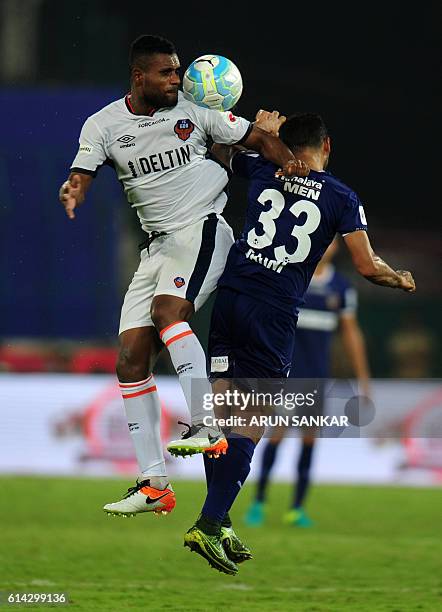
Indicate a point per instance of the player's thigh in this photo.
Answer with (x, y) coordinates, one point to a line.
(222, 343)
(135, 312)
(195, 260)
(248, 338)
(223, 243)
(266, 338)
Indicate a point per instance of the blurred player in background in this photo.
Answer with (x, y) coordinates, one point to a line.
(330, 302)
(156, 141)
(290, 222)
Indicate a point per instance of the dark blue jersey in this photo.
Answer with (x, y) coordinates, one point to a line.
(328, 298)
(289, 225)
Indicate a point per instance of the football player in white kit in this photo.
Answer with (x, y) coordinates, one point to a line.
(156, 141)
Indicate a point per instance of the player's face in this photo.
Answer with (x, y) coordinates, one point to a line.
(160, 80)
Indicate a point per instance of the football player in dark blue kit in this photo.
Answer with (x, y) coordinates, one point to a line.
(330, 304)
(290, 222)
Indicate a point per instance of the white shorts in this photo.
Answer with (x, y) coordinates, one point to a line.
(186, 263)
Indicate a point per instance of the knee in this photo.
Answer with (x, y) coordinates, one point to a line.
(129, 368)
(167, 309)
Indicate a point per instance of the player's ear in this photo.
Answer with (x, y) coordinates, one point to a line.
(327, 145)
(137, 76)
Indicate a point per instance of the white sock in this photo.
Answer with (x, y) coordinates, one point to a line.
(189, 362)
(143, 411)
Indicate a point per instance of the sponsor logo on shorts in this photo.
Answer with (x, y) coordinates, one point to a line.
(183, 128)
(179, 281)
(219, 364)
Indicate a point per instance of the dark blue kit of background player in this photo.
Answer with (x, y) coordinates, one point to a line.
(330, 296)
(255, 312)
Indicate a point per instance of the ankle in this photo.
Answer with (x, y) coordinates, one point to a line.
(209, 526)
(226, 522)
(157, 482)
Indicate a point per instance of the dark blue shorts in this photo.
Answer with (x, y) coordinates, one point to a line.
(249, 338)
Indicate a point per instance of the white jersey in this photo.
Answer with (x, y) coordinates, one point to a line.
(160, 159)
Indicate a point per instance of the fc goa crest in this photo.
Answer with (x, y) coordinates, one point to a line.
(183, 128)
(179, 281)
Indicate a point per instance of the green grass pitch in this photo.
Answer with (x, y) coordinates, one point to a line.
(374, 549)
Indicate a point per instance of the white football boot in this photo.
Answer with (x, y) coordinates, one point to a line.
(199, 439)
(143, 498)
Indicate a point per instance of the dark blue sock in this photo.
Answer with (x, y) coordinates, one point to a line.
(268, 459)
(229, 474)
(304, 463)
(208, 468)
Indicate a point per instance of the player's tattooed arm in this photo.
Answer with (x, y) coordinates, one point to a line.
(73, 192)
(372, 267)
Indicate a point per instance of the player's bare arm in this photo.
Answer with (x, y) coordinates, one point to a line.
(224, 153)
(73, 192)
(273, 149)
(372, 267)
(265, 142)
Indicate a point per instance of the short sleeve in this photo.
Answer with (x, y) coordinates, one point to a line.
(353, 216)
(223, 127)
(91, 153)
(244, 163)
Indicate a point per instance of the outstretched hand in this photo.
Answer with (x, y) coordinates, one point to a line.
(269, 122)
(71, 195)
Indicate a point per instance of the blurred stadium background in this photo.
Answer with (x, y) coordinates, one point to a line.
(372, 75)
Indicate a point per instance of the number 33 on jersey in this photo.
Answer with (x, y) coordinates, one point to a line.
(289, 222)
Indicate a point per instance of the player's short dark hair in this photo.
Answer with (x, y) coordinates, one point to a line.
(303, 130)
(147, 45)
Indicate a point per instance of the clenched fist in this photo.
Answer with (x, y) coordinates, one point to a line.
(407, 281)
(294, 167)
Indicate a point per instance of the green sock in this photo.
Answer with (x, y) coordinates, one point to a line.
(208, 525)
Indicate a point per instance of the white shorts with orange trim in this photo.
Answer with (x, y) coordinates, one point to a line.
(186, 263)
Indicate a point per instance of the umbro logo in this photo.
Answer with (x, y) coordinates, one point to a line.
(126, 138)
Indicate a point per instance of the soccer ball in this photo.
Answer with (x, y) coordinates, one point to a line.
(213, 81)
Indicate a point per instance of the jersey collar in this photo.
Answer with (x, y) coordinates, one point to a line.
(131, 109)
